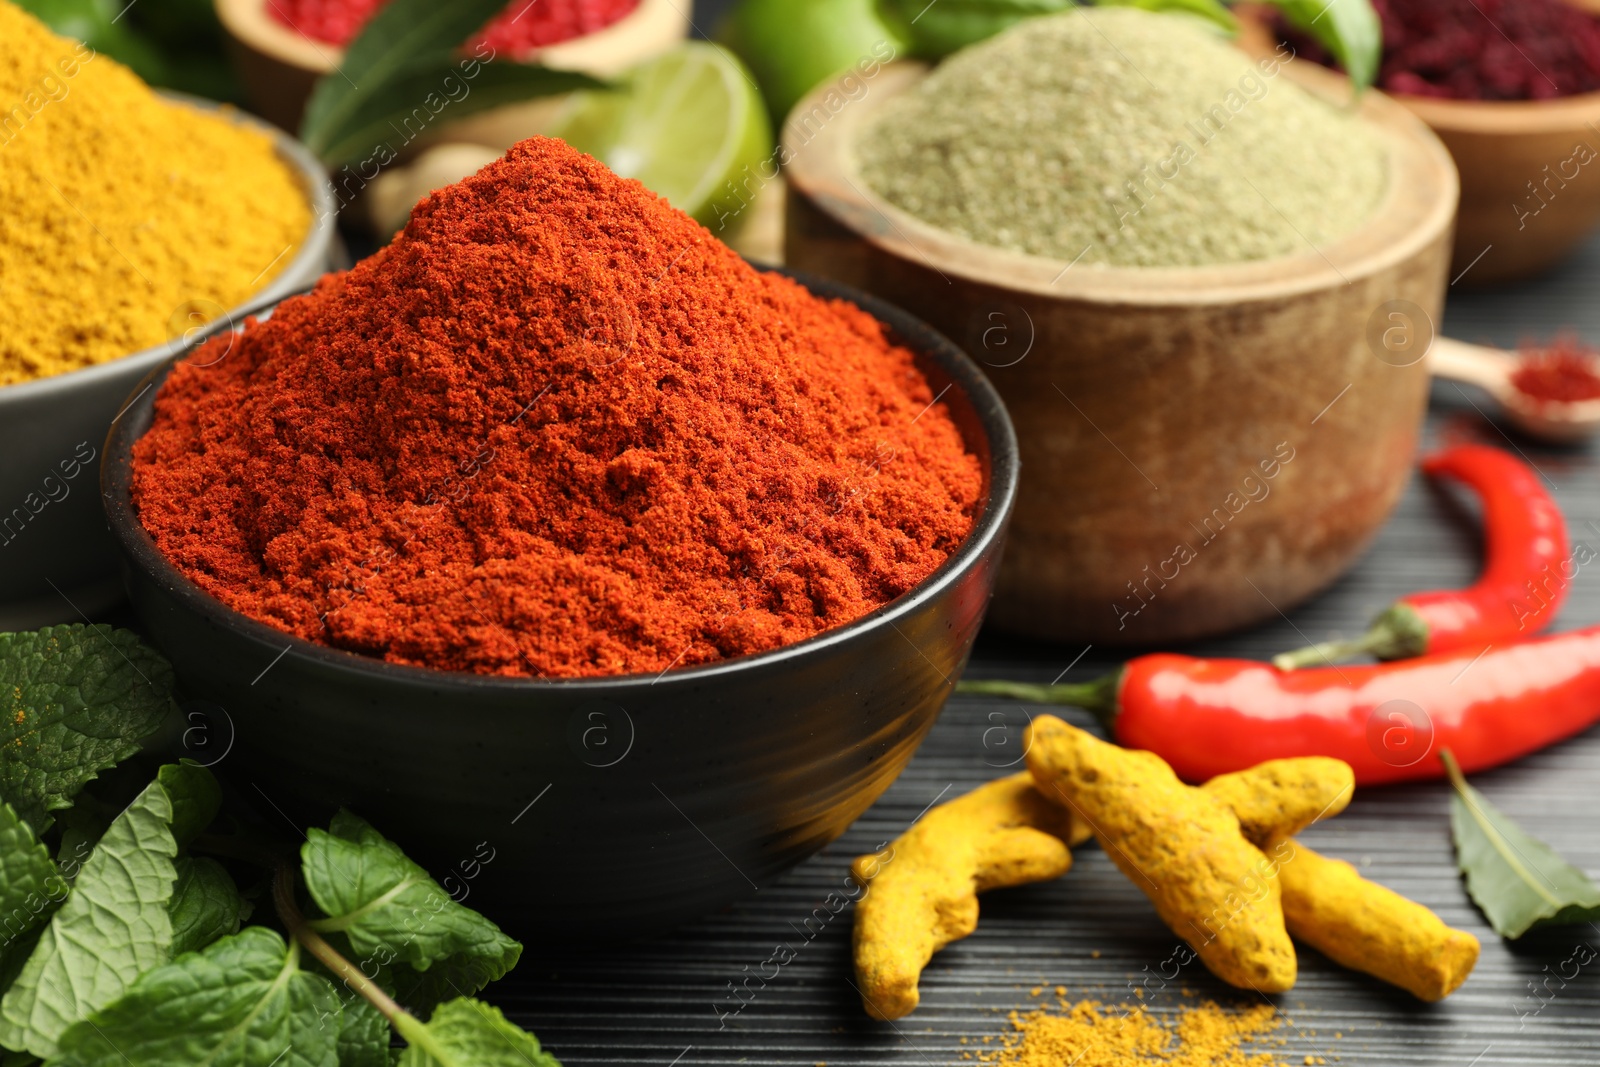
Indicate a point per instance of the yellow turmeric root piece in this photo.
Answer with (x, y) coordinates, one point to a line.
(1363, 926)
(922, 891)
(1326, 903)
(1180, 844)
(1281, 797)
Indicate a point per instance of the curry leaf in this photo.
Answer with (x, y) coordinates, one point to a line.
(391, 909)
(1517, 880)
(244, 1001)
(205, 904)
(80, 700)
(469, 1033)
(1348, 28)
(1210, 10)
(113, 927)
(30, 885)
(937, 29)
(380, 126)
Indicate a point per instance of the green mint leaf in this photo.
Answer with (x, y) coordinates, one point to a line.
(469, 1033)
(935, 30)
(364, 1035)
(1211, 10)
(392, 911)
(80, 700)
(196, 798)
(205, 904)
(1516, 880)
(113, 927)
(30, 886)
(243, 1002)
(1350, 29)
(382, 121)
(404, 35)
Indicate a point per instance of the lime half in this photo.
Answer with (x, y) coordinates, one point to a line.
(689, 124)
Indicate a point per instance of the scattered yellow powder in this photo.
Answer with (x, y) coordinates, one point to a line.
(1089, 1034)
(128, 218)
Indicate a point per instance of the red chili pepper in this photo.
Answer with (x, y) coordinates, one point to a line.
(1211, 716)
(1518, 593)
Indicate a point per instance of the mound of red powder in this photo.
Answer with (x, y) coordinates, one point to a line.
(555, 428)
(523, 26)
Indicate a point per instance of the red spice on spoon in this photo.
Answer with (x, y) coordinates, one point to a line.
(1564, 372)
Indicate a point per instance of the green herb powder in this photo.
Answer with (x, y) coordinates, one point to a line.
(1119, 137)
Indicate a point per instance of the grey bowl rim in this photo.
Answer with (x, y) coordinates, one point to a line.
(1001, 476)
(313, 249)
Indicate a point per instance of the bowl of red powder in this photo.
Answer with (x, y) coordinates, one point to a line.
(556, 525)
(281, 47)
(1512, 87)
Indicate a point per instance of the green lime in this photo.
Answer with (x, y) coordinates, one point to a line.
(795, 45)
(689, 124)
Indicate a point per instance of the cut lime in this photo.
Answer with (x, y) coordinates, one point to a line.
(689, 124)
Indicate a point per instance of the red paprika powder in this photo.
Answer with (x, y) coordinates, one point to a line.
(1566, 371)
(554, 428)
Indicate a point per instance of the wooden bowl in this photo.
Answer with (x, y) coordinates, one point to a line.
(279, 67)
(1517, 218)
(1202, 447)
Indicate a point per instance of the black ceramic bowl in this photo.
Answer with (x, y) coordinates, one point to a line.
(598, 806)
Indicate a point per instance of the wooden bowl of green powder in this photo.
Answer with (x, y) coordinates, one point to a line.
(1203, 283)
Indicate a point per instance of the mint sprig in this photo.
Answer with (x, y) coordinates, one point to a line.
(113, 927)
(30, 885)
(382, 903)
(76, 701)
(244, 1000)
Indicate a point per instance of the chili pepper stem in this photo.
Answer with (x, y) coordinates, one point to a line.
(1399, 633)
(1098, 697)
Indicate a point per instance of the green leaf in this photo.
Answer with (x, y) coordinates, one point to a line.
(404, 35)
(364, 1036)
(205, 904)
(412, 102)
(113, 927)
(243, 1002)
(1516, 880)
(1211, 10)
(81, 699)
(937, 29)
(30, 886)
(469, 1033)
(390, 909)
(1350, 29)
(196, 798)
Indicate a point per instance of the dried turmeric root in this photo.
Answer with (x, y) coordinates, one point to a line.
(1363, 926)
(1281, 797)
(1326, 904)
(922, 891)
(1181, 845)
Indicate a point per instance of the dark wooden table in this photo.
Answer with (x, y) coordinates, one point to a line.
(668, 1001)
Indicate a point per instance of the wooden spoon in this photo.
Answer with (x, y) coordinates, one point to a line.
(1561, 421)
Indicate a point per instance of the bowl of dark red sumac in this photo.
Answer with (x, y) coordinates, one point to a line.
(1512, 87)
(557, 532)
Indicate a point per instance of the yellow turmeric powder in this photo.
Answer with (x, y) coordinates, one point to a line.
(1363, 926)
(128, 218)
(922, 891)
(1090, 1034)
(1179, 844)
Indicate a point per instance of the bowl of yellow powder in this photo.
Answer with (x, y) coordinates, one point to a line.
(131, 219)
(1203, 282)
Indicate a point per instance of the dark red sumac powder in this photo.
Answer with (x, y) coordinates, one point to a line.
(554, 428)
(1482, 49)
